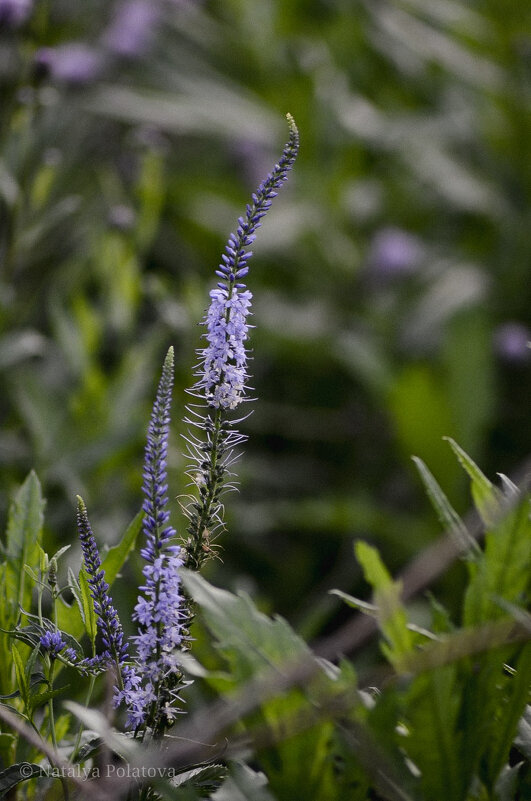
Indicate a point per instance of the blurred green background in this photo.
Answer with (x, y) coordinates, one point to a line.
(391, 278)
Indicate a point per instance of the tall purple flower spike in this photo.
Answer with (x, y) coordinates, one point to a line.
(152, 682)
(110, 628)
(222, 370)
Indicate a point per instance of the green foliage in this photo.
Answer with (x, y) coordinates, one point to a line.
(24, 530)
(391, 615)
(299, 763)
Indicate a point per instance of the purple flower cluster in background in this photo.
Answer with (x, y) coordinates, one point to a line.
(222, 368)
(155, 674)
(114, 647)
(74, 63)
(131, 30)
(512, 342)
(13, 13)
(394, 254)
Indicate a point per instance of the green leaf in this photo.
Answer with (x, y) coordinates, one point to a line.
(15, 774)
(244, 784)
(22, 679)
(391, 614)
(97, 722)
(116, 556)
(203, 780)
(89, 749)
(299, 763)
(486, 496)
(434, 740)
(248, 639)
(356, 603)
(503, 570)
(514, 704)
(445, 511)
(87, 603)
(42, 698)
(24, 530)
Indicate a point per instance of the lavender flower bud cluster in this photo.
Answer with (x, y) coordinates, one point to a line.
(151, 684)
(114, 647)
(53, 644)
(222, 369)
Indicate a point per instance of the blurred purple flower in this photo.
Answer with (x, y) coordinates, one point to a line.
(74, 63)
(511, 342)
(131, 28)
(394, 253)
(122, 217)
(14, 13)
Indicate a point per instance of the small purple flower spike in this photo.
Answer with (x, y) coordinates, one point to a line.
(152, 684)
(114, 647)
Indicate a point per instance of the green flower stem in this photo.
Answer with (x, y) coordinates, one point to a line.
(198, 547)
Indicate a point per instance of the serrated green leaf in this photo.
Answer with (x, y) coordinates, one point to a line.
(514, 704)
(39, 699)
(15, 774)
(244, 784)
(249, 639)
(391, 615)
(435, 742)
(299, 762)
(89, 749)
(30, 664)
(204, 781)
(503, 571)
(24, 529)
(486, 496)
(445, 511)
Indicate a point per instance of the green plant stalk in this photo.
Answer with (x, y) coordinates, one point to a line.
(198, 549)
